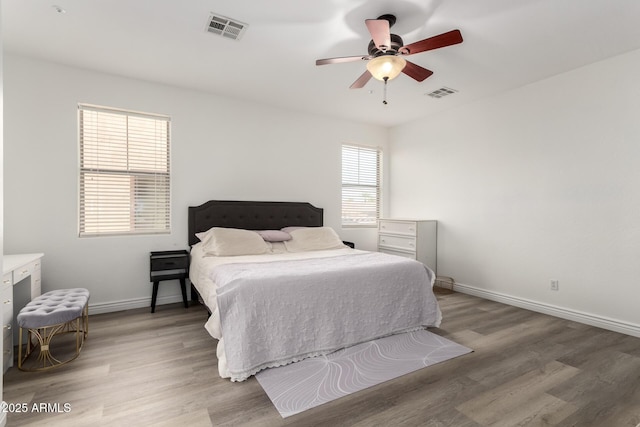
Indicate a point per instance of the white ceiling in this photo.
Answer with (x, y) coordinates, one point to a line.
(507, 44)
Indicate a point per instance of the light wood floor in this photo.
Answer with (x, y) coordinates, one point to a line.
(143, 369)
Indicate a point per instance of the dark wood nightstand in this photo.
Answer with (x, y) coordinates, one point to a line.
(168, 265)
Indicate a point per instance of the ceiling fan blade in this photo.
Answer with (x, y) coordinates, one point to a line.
(361, 81)
(342, 59)
(445, 39)
(379, 29)
(416, 72)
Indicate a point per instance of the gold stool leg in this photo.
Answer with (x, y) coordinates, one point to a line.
(20, 349)
(85, 318)
(28, 346)
(45, 337)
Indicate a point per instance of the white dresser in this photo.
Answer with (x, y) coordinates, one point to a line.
(415, 239)
(21, 281)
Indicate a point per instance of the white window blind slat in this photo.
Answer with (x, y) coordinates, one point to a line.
(360, 186)
(124, 172)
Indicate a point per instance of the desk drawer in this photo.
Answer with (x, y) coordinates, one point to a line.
(36, 284)
(7, 353)
(35, 266)
(397, 242)
(7, 330)
(7, 279)
(25, 271)
(6, 299)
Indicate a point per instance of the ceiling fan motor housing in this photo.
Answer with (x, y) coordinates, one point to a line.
(389, 18)
(396, 44)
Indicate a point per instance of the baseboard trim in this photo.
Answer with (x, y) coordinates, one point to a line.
(552, 310)
(110, 307)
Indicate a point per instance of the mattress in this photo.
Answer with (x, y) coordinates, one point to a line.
(272, 309)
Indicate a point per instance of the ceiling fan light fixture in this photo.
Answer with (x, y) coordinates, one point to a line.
(386, 67)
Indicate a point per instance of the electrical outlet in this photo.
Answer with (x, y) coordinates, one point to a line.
(554, 285)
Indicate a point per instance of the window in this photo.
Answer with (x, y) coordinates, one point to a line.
(124, 172)
(360, 186)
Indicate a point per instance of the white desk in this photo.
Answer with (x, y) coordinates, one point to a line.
(21, 281)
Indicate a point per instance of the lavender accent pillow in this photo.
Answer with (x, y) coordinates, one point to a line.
(274, 235)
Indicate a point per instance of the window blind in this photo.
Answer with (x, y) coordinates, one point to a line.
(124, 172)
(360, 185)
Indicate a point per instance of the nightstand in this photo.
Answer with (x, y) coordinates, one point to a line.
(168, 265)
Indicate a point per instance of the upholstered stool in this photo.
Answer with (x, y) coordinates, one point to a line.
(53, 313)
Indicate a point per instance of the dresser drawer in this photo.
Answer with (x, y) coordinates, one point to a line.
(398, 242)
(411, 255)
(397, 227)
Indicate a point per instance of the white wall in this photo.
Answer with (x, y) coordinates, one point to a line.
(221, 149)
(536, 184)
(3, 416)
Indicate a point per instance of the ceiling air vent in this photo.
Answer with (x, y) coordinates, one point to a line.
(225, 27)
(443, 91)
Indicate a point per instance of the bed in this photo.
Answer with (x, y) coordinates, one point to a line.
(298, 296)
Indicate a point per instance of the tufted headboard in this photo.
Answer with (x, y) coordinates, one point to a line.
(251, 216)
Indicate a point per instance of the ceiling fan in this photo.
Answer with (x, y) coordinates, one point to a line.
(386, 52)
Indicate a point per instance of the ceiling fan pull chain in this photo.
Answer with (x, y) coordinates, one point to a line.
(384, 99)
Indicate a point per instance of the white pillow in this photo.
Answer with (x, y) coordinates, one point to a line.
(277, 248)
(231, 242)
(313, 239)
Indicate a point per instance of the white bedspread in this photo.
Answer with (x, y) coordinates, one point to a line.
(300, 305)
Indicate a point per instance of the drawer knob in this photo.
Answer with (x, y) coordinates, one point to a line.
(6, 282)
(7, 301)
(7, 327)
(24, 271)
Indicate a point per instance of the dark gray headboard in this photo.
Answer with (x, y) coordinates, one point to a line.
(251, 216)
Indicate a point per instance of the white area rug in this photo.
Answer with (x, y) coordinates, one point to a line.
(311, 382)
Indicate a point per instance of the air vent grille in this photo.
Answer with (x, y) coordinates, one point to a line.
(225, 27)
(443, 91)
